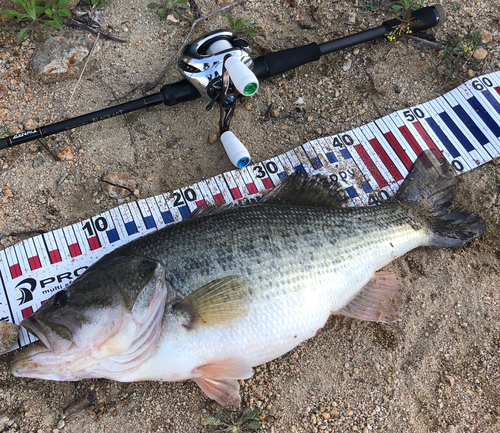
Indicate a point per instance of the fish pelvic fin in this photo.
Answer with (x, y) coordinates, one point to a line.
(219, 380)
(218, 303)
(378, 301)
(429, 192)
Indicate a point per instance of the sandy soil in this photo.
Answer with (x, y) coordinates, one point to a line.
(436, 370)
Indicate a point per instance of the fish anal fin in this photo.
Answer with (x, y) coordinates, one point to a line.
(217, 303)
(219, 379)
(378, 301)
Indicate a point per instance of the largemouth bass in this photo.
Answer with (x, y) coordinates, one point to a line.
(226, 290)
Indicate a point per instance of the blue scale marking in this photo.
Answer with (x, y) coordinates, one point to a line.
(456, 131)
(283, 176)
(316, 163)
(167, 217)
(352, 192)
(442, 136)
(367, 187)
(112, 235)
(491, 99)
(345, 153)
(184, 210)
(465, 118)
(131, 227)
(483, 114)
(331, 157)
(300, 169)
(150, 222)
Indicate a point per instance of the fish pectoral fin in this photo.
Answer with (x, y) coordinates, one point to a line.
(219, 380)
(217, 303)
(378, 301)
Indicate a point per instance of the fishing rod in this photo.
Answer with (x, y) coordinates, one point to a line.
(218, 67)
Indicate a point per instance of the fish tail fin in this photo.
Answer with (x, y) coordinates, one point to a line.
(429, 190)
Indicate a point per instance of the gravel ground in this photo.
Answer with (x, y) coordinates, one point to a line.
(435, 370)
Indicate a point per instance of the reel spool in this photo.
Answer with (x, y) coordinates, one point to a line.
(219, 66)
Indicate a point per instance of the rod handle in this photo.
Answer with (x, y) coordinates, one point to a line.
(236, 151)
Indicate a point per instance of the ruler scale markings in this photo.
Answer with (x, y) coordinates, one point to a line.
(481, 108)
(274, 168)
(295, 161)
(107, 224)
(389, 150)
(396, 140)
(209, 195)
(155, 212)
(250, 184)
(484, 86)
(287, 167)
(304, 161)
(137, 218)
(170, 200)
(408, 131)
(445, 141)
(372, 161)
(240, 181)
(165, 212)
(257, 173)
(234, 188)
(22, 258)
(473, 122)
(344, 175)
(316, 159)
(200, 197)
(222, 187)
(412, 151)
(50, 244)
(33, 258)
(128, 219)
(6, 314)
(485, 98)
(61, 244)
(456, 126)
(147, 217)
(13, 263)
(41, 250)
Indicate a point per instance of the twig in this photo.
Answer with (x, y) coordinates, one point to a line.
(81, 74)
(78, 24)
(425, 41)
(149, 86)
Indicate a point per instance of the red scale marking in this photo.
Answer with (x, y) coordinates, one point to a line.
(268, 183)
(497, 89)
(15, 270)
(426, 138)
(370, 165)
(235, 192)
(252, 189)
(55, 256)
(74, 250)
(43, 302)
(34, 263)
(398, 149)
(94, 243)
(200, 203)
(385, 159)
(27, 312)
(219, 199)
(410, 139)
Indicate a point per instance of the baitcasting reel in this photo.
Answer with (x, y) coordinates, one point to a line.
(219, 66)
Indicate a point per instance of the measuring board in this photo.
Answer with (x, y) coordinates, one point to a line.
(369, 162)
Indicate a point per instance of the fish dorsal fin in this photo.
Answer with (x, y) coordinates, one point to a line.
(217, 303)
(307, 190)
(378, 300)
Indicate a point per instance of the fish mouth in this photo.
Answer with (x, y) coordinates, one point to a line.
(55, 336)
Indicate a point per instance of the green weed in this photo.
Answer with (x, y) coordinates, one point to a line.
(49, 12)
(228, 423)
(239, 26)
(404, 8)
(170, 7)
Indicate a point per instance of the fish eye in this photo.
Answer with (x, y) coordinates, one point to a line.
(61, 298)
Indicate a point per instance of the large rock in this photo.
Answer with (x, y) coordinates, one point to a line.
(59, 58)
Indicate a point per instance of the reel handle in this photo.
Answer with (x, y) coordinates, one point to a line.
(236, 151)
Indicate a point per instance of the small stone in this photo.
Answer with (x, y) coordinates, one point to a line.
(275, 113)
(9, 333)
(65, 153)
(118, 184)
(471, 73)
(480, 54)
(3, 90)
(356, 51)
(398, 90)
(56, 430)
(485, 37)
(7, 192)
(299, 101)
(171, 19)
(212, 138)
(326, 415)
(61, 424)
